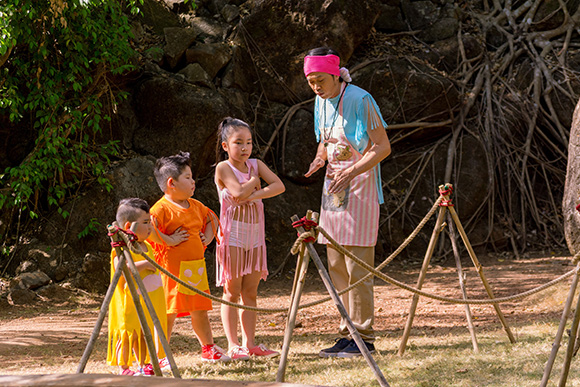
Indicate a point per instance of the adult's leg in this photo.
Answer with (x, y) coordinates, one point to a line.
(340, 277)
(361, 307)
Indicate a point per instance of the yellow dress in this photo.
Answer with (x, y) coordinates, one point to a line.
(124, 328)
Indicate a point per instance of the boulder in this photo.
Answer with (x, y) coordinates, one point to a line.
(299, 148)
(128, 178)
(186, 115)
(177, 41)
(21, 296)
(30, 280)
(209, 29)
(549, 15)
(470, 191)
(212, 57)
(157, 15)
(572, 187)
(27, 266)
(301, 26)
(54, 261)
(54, 292)
(390, 19)
(230, 12)
(195, 74)
(240, 73)
(445, 55)
(94, 275)
(408, 90)
(435, 22)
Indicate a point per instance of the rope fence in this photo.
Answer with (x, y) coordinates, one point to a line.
(308, 236)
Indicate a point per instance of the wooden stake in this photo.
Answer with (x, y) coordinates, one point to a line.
(571, 342)
(102, 314)
(154, 318)
(479, 269)
(461, 283)
(299, 278)
(560, 332)
(335, 297)
(422, 274)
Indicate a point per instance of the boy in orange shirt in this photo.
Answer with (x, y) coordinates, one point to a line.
(178, 215)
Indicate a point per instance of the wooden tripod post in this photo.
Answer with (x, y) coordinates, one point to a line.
(446, 191)
(131, 274)
(102, 315)
(297, 287)
(462, 283)
(339, 305)
(560, 332)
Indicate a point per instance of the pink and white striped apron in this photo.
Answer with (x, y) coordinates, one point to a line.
(351, 217)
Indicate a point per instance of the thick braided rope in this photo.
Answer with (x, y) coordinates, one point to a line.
(411, 289)
(384, 263)
(137, 250)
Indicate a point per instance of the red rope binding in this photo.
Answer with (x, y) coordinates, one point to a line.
(121, 243)
(578, 208)
(446, 191)
(307, 224)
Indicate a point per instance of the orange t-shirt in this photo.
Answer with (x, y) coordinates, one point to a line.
(185, 260)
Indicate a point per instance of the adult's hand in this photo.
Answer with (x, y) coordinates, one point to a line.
(340, 180)
(315, 165)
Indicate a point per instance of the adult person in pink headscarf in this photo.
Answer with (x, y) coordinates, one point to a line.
(352, 142)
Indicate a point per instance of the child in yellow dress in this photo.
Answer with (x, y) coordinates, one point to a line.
(126, 339)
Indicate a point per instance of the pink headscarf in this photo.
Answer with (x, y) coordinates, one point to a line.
(322, 64)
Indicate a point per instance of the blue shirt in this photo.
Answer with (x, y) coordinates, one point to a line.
(356, 103)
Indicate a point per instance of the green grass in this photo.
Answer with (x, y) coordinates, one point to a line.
(428, 361)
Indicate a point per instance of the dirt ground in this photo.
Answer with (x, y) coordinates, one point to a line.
(31, 335)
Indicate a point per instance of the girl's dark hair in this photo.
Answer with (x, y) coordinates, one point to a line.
(226, 127)
(322, 51)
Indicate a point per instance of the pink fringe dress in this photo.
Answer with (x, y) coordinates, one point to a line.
(248, 223)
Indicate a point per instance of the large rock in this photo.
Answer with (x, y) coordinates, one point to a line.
(174, 115)
(55, 261)
(285, 31)
(30, 280)
(572, 187)
(92, 211)
(470, 191)
(299, 148)
(408, 91)
(157, 15)
(435, 22)
(212, 57)
(177, 41)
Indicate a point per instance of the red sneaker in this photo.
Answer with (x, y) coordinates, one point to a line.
(213, 353)
(128, 372)
(239, 353)
(164, 365)
(147, 370)
(261, 350)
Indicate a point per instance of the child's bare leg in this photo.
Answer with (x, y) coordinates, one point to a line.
(125, 351)
(229, 314)
(249, 295)
(140, 350)
(201, 326)
(170, 322)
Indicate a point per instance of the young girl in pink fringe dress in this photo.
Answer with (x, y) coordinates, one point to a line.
(241, 252)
